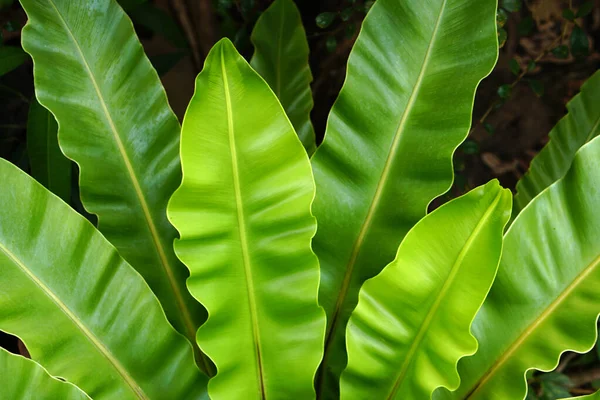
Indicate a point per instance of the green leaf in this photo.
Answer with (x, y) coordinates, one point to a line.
(5, 3)
(585, 9)
(504, 91)
(469, 147)
(159, 22)
(405, 336)
(512, 5)
(281, 58)
(331, 44)
(243, 212)
(26, 379)
(578, 127)
(80, 309)
(536, 86)
(404, 108)
(592, 396)
(501, 17)
(128, 156)
(531, 65)
(561, 51)
(568, 14)
(579, 42)
(545, 299)
(48, 164)
(514, 66)
(11, 57)
(325, 19)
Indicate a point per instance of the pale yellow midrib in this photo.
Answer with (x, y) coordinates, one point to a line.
(384, 175)
(187, 319)
(531, 328)
(442, 293)
(105, 352)
(243, 232)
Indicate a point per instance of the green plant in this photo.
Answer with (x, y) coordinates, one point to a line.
(266, 316)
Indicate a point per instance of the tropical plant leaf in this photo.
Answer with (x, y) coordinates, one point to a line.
(545, 299)
(243, 212)
(587, 397)
(10, 58)
(404, 108)
(116, 124)
(49, 166)
(578, 127)
(281, 58)
(412, 322)
(26, 379)
(80, 309)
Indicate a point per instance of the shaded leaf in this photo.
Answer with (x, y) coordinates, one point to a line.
(579, 42)
(11, 57)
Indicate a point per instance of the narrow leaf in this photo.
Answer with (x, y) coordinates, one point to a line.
(116, 124)
(578, 127)
(243, 212)
(412, 322)
(10, 58)
(405, 106)
(545, 299)
(281, 58)
(26, 379)
(80, 309)
(48, 164)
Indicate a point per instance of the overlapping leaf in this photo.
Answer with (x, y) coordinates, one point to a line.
(545, 299)
(25, 379)
(405, 106)
(281, 58)
(81, 310)
(116, 124)
(48, 164)
(578, 127)
(412, 322)
(243, 212)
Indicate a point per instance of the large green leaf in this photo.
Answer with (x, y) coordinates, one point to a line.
(80, 309)
(578, 127)
(405, 106)
(48, 164)
(545, 299)
(91, 73)
(281, 58)
(588, 397)
(412, 322)
(25, 379)
(243, 212)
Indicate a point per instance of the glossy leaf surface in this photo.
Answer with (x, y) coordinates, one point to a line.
(25, 379)
(412, 322)
(281, 58)
(49, 166)
(116, 124)
(578, 127)
(545, 298)
(405, 106)
(243, 212)
(80, 309)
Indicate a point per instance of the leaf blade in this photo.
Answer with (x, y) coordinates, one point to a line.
(401, 136)
(285, 66)
(91, 90)
(246, 194)
(67, 291)
(396, 332)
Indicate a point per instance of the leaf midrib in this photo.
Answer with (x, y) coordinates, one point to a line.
(243, 233)
(380, 185)
(95, 341)
(548, 311)
(442, 293)
(167, 268)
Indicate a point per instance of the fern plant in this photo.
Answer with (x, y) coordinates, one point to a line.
(228, 264)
